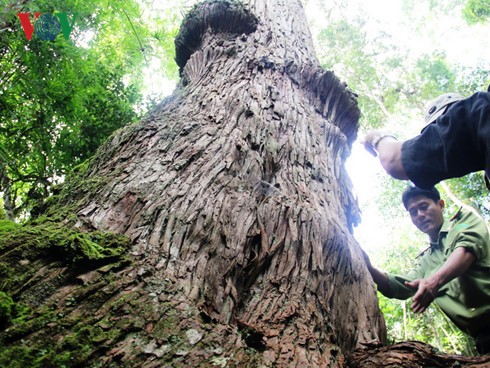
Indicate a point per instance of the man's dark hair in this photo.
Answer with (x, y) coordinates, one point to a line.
(413, 191)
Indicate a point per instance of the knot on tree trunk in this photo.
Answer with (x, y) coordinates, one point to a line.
(220, 16)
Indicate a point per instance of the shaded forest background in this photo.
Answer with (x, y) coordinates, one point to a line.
(59, 100)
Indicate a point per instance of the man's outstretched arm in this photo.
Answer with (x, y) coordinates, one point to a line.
(458, 263)
(389, 151)
(379, 277)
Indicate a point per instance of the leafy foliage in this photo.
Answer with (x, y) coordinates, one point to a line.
(342, 41)
(59, 100)
(476, 11)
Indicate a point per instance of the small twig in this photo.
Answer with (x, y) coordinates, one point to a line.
(142, 49)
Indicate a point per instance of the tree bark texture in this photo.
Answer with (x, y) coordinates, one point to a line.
(411, 354)
(235, 188)
(234, 195)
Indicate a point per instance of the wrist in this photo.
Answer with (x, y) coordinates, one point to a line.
(436, 281)
(377, 139)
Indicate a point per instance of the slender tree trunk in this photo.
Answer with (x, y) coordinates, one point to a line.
(8, 206)
(404, 306)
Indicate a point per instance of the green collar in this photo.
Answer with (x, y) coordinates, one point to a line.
(446, 226)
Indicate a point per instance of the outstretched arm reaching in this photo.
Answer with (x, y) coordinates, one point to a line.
(379, 277)
(458, 263)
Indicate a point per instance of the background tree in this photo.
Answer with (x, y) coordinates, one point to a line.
(476, 11)
(59, 100)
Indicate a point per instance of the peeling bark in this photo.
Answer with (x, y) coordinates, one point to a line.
(411, 354)
(235, 189)
(234, 195)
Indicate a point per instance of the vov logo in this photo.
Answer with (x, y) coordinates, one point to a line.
(47, 26)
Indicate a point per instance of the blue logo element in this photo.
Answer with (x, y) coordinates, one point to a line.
(47, 27)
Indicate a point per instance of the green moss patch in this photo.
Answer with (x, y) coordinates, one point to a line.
(7, 226)
(62, 241)
(6, 308)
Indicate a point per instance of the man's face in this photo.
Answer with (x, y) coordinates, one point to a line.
(426, 215)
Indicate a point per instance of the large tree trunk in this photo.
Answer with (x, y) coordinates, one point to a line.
(235, 196)
(238, 210)
(235, 190)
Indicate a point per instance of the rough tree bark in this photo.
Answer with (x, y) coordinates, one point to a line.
(235, 190)
(239, 215)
